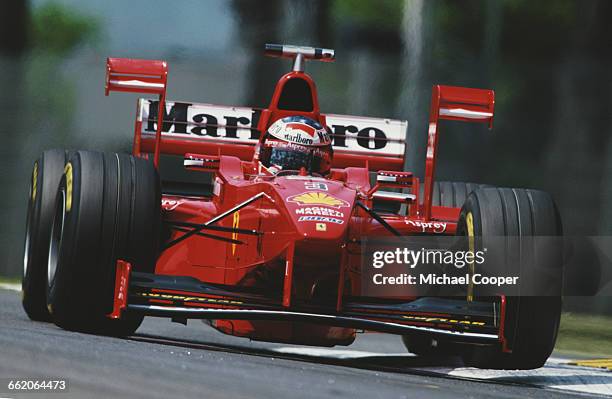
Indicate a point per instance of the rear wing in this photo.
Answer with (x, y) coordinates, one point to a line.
(224, 130)
(215, 129)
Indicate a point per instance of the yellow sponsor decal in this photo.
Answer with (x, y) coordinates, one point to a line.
(427, 319)
(321, 227)
(317, 198)
(469, 222)
(68, 174)
(184, 298)
(235, 225)
(34, 181)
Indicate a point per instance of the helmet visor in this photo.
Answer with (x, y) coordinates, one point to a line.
(292, 159)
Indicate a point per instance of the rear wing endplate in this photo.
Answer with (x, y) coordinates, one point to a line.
(136, 76)
(457, 104)
(463, 104)
(139, 76)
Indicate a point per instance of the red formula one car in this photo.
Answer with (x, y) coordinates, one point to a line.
(273, 253)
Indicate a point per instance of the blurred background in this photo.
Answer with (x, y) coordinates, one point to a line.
(549, 62)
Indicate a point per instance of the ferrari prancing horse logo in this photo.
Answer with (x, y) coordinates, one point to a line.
(317, 198)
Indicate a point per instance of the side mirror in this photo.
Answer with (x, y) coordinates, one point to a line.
(386, 178)
(389, 196)
(202, 163)
(397, 180)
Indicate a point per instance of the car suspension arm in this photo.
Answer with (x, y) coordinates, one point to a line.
(211, 236)
(251, 232)
(217, 218)
(379, 219)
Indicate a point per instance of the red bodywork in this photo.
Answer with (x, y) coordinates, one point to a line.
(297, 236)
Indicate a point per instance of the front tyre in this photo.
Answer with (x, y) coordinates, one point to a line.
(108, 208)
(454, 195)
(531, 322)
(46, 175)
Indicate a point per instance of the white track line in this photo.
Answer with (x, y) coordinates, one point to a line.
(11, 286)
(333, 353)
(552, 375)
(556, 374)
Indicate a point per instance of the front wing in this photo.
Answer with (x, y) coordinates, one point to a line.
(182, 297)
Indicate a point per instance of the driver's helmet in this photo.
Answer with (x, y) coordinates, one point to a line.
(296, 142)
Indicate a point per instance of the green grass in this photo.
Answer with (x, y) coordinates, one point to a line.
(10, 280)
(585, 335)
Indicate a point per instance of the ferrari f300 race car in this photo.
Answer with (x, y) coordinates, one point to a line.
(273, 251)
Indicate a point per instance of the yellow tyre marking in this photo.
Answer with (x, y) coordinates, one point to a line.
(469, 221)
(235, 225)
(68, 173)
(34, 181)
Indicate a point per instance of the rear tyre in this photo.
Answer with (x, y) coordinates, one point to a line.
(445, 193)
(531, 322)
(450, 193)
(46, 175)
(108, 208)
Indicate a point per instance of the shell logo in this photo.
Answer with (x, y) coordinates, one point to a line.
(317, 198)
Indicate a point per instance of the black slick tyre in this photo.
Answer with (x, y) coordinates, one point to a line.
(450, 194)
(108, 208)
(46, 174)
(531, 321)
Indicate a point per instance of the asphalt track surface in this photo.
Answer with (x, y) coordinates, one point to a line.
(168, 360)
